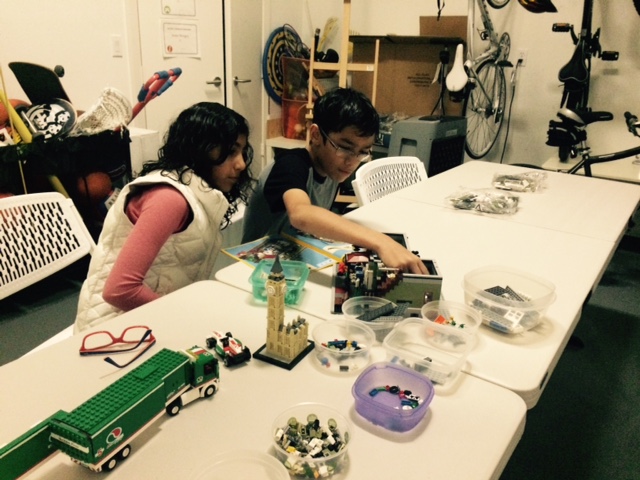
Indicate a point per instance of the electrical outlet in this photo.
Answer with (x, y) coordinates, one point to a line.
(522, 57)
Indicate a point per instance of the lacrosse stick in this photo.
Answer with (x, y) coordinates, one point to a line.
(154, 87)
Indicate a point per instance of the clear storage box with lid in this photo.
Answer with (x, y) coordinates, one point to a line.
(434, 350)
(510, 300)
(295, 273)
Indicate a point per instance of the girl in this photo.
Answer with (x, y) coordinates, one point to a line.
(163, 231)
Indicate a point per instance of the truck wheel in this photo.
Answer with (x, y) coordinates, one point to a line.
(125, 452)
(110, 464)
(174, 407)
(209, 391)
(211, 342)
(226, 361)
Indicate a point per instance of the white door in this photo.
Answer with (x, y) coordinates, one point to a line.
(244, 67)
(204, 76)
(185, 34)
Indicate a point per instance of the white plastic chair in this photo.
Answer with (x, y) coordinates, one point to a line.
(381, 177)
(40, 234)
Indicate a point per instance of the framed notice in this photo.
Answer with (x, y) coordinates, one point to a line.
(180, 39)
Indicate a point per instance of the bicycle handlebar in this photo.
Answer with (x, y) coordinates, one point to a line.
(632, 123)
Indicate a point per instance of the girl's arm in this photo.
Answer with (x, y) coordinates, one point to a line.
(157, 213)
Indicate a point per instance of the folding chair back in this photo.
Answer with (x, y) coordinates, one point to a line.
(40, 234)
(381, 177)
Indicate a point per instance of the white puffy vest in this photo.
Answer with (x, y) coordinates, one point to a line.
(187, 256)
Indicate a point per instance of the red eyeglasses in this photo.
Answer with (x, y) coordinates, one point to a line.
(104, 343)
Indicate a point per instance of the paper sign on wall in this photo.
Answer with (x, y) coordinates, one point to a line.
(180, 39)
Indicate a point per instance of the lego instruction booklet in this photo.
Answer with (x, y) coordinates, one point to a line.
(291, 244)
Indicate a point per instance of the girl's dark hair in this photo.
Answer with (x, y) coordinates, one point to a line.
(344, 107)
(197, 131)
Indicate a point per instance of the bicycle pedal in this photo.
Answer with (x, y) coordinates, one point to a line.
(610, 56)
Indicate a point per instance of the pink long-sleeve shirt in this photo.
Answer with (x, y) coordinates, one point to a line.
(157, 213)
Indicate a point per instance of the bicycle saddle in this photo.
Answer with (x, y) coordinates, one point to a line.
(576, 69)
(580, 118)
(457, 78)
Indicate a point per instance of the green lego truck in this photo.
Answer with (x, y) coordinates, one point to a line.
(97, 434)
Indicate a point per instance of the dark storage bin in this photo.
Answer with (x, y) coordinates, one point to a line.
(71, 160)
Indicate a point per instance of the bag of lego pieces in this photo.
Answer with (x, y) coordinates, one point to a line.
(485, 200)
(520, 182)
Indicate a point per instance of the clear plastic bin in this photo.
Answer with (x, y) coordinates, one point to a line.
(362, 309)
(295, 274)
(296, 426)
(342, 346)
(434, 350)
(452, 314)
(510, 300)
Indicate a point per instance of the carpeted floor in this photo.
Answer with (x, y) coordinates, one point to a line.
(586, 425)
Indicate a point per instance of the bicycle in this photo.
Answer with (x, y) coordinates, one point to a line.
(576, 74)
(480, 84)
(573, 125)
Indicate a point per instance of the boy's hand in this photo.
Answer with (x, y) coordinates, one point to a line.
(395, 255)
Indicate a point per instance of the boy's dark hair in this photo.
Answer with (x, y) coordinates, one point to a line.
(196, 132)
(344, 107)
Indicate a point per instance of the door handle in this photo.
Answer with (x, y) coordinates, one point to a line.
(237, 80)
(215, 82)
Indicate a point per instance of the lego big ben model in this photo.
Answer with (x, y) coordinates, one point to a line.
(288, 343)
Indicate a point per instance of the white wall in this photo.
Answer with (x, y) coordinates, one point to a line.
(538, 92)
(77, 35)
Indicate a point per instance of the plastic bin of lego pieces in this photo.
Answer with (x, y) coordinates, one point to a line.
(454, 314)
(295, 274)
(392, 396)
(311, 440)
(342, 346)
(379, 314)
(509, 300)
(434, 350)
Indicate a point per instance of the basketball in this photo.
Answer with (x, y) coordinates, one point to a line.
(4, 116)
(95, 186)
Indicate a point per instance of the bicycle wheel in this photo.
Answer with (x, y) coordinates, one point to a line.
(485, 113)
(498, 3)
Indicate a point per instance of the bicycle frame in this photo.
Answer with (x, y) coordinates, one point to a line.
(579, 131)
(576, 74)
(588, 160)
(495, 50)
(483, 89)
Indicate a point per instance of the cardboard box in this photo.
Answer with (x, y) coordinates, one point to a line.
(407, 67)
(445, 27)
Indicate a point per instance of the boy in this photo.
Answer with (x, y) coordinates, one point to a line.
(300, 186)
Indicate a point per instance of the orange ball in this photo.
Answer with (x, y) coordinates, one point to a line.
(4, 116)
(96, 186)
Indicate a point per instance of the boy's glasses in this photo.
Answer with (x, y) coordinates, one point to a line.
(345, 153)
(104, 343)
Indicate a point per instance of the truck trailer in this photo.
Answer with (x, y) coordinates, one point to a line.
(97, 434)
